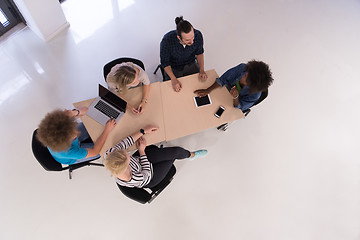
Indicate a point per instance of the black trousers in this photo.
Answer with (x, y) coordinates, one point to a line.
(162, 159)
(187, 70)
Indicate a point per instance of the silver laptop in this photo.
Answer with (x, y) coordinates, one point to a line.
(107, 105)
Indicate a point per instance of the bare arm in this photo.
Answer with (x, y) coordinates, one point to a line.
(176, 84)
(83, 110)
(235, 95)
(77, 112)
(101, 140)
(204, 92)
(141, 145)
(148, 129)
(169, 72)
(236, 101)
(146, 90)
(202, 74)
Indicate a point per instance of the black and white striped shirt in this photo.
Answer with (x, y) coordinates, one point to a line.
(141, 168)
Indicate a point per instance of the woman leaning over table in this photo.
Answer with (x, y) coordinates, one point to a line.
(129, 75)
(150, 166)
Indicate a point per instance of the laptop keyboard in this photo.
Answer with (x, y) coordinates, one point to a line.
(107, 110)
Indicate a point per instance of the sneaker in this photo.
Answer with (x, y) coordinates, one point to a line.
(199, 153)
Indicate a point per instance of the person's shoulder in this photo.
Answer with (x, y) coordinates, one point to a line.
(75, 148)
(252, 95)
(238, 69)
(170, 35)
(197, 32)
(198, 37)
(241, 66)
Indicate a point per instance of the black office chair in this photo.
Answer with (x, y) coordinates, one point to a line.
(147, 195)
(162, 71)
(108, 66)
(47, 161)
(263, 95)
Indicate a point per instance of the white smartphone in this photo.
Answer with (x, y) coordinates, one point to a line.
(219, 112)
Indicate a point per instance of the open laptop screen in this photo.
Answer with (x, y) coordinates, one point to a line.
(112, 98)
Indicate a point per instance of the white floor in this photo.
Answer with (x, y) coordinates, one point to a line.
(290, 170)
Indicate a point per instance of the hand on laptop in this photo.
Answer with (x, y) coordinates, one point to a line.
(110, 124)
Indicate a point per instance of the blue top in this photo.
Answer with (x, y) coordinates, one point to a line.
(71, 155)
(230, 78)
(173, 53)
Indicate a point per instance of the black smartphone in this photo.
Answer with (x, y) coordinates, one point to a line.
(219, 112)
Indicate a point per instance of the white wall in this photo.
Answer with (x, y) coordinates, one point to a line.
(44, 17)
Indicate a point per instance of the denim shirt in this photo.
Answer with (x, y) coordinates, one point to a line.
(229, 79)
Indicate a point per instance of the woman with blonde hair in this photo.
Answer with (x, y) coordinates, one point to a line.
(129, 75)
(147, 168)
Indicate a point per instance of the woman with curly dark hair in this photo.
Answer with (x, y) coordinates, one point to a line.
(245, 83)
(60, 132)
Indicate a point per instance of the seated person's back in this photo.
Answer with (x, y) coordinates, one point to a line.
(61, 134)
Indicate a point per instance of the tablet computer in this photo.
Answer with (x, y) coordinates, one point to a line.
(202, 101)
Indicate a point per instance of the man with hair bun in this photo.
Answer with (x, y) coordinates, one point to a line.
(182, 53)
(245, 83)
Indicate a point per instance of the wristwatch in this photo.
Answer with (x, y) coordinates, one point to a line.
(142, 131)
